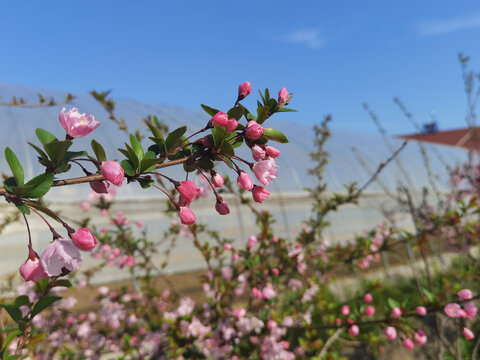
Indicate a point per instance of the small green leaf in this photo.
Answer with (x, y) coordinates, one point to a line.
(248, 115)
(99, 151)
(210, 111)
(204, 163)
(62, 283)
(262, 114)
(227, 149)
(57, 150)
(40, 151)
(148, 165)
(284, 109)
(137, 147)
(127, 167)
(145, 183)
(44, 136)
(132, 156)
(23, 208)
(219, 134)
(236, 112)
(73, 154)
(22, 300)
(41, 185)
(174, 137)
(155, 131)
(392, 303)
(14, 312)
(15, 166)
(275, 135)
(9, 338)
(43, 303)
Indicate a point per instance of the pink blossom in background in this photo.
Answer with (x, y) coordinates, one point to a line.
(84, 239)
(244, 181)
(421, 310)
(113, 172)
(85, 206)
(265, 171)
(453, 310)
(469, 335)
(470, 309)
(465, 294)
(368, 298)
(254, 130)
(396, 312)
(139, 224)
(275, 271)
(408, 344)
(244, 90)
(59, 255)
(252, 240)
(390, 332)
(75, 124)
(235, 257)
(283, 96)
(227, 273)
(268, 292)
(354, 330)
(345, 310)
(420, 337)
(227, 246)
(370, 311)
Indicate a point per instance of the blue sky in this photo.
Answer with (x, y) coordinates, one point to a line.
(334, 55)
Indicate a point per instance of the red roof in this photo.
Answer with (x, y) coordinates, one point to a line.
(467, 138)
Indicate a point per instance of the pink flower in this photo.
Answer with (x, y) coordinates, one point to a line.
(420, 337)
(139, 224)
(268, 292)
(283, 96)
(217, 180)
(85, 206)
(220, 119)
(32, 270)
(345, 310)
(465, 294)
(59, 256)
(469, 335)
(231, 125)
(368, 298)
(254, 130)
(260, 194)
(76, 124)
(470, 309)
(227, 273)
(244, 181)
(265, 171)
(243, 90)
(272, 152)
(396, 312)
(235, 257)
(408, 344)
(113, 172)
(258, 153)
(100, 187)
(239, 313)
(188, 190)
(227, 246)
(354, 330)
(452, 310)
(222, 207)
(187, 217)
(421, 310)
(390, 332)
(252, 240)
(84, 239)
(370, 311)
(275, 271)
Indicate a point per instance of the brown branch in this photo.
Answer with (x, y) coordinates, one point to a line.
(99, 177)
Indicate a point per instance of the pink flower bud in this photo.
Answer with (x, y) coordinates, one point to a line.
(345, 310)
(243, 90)
(32, 270)
(396, 312)
(222, 207)
(254, 130)
(470, 309)
(354, 330)
(390, 332)
(76, 124)
(265, 171)
(469, 335)
(235, 257)
(420, 337)
(100, 187)
(272, 152)
(272, 324)
(408, 344)
(252, 240)
(84, 239)
(370, 311)
(421, 310)
(104, 212)
(239, 313)
(283, 96)
(217, 180)
(258, 153)
(465, 294)
(244, 181)
(260, 194)
(139, 224)
(187, 217)
(268, 293)
(85, 206)
(231, 125)
(275, 271)
(220, 119)
(113, 172)
(188, 190)
(368, 298)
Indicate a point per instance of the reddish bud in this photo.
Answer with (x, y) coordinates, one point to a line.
(222, 207)
(84, 239)
(244, 181)
(243, 90)
(254, 130)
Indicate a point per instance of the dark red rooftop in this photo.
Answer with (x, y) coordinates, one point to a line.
(467, 138)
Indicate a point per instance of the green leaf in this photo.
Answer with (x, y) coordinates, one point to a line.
(23, 208)
(219, 134)
(43, 303)
(284, 109)
(148, 165)
(57, 150)
(429, 295)
(40, 151)
(145, 183)
(155, 131)
(127, 167)
(227, 149)
(124, 152)
(262, 114)
(132, 156)
(15, 166)
(137, 147)
(261, 95)
(392, 303)
(174, 137)
(267, 95)
(42, 284)
(41, 185)
(275, 135)
(62, 283)
(248, 114)
(14, 312)
(236, 112)
(99, 151)
(73, 154)
(21, 300)
(210, 111)
(44, 136)
(204, 163)
(9, 338)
